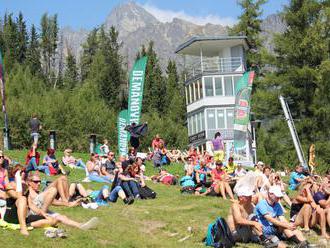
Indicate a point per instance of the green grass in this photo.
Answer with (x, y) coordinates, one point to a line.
(161, 222)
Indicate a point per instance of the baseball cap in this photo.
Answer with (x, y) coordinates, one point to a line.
(244, 192)
(276, 190)
(260, 163)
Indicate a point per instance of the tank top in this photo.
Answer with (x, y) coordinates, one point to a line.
(217, 144)
(2, 178)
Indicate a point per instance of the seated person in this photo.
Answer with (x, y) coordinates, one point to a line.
(187, 184)
(71, 161)
(39, 203)
(296, 177)
(94, 170)
(201, 172)
(239, 171)
(50, 164)
(274, 224)
(230, 166)
(220, 183)
(275, 179)
(32, 159)
(108, 166)
(157, 157)
(241, 220)
(105, 195)
(105, 148)
(4, 180)
(305, 212)
(6, 160)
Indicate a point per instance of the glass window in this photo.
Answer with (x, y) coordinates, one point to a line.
(203, 121)
(230, 118)
(236, 79)
(191, 125)
(228, 86)
(200, 88)
(218, 86)
(208, 86)
(196, 91)
(221, 118)
(190, 94)
(187, 99)
(189, 129)
(193, 120)
(198, 119)
(210, 115)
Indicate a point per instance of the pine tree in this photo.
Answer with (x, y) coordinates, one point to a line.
(250, 25)
(33, 52)
(89, 51)
(10, 35)
(70, 78)
(22, 38)
(154, 86)
(299, 54)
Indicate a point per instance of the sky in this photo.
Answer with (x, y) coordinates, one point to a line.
(88, 14)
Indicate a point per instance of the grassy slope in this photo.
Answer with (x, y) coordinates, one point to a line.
(153, 223)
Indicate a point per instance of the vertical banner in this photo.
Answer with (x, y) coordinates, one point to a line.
(122, 133)
(242, 114)
(3, 96)
(136, 84)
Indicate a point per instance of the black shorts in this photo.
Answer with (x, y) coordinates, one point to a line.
(212, 193)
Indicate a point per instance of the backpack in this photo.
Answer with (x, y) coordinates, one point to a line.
(219, 235)
(147, 193)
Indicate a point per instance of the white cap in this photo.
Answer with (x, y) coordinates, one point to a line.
(260, 163)
(276, 190)
(244, 192)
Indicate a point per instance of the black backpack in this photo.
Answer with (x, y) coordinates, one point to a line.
(219, 235)
(147, 193)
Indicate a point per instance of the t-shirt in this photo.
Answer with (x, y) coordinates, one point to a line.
(109, 166)
(218, 175)
(202, 176)
(230, 168)
(318, 196)
(34, 125)
(217, 144)
(264, 208)
(293, 180)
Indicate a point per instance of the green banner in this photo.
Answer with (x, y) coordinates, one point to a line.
(136, 84)
(242, 114)
(122, 133)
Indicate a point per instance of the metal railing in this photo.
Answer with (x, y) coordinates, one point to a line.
(215, 65)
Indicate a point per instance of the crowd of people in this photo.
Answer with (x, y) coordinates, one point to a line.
(259, 195)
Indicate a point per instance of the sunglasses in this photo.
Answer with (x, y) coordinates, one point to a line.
(2, 157)
(36, 181)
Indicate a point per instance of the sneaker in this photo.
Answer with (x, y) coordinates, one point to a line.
(60, 233)
(90, 224)
(129, 200)
(50, 233)
(138, 197)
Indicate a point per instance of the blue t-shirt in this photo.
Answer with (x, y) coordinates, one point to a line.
(202, 177)
(274, 211)
(293, 180)
(187, 181)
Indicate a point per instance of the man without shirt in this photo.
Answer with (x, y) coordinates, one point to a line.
(240, 219)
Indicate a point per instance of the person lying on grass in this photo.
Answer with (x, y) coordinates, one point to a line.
(39, 203)
(274, 225)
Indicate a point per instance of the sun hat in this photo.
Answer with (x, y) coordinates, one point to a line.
(276, 190)
(244, 192)
(260, 163)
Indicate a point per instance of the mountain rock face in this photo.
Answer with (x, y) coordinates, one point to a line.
(136, 27)
(273, 24)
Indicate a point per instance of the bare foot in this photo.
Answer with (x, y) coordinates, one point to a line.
(24, 232)
(326, 236)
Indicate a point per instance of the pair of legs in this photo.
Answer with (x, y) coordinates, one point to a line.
(47, 199)
(112, 196)
(222, 188)
(309, 217)
(131, 188)
(77, 188)
(19, 211)
(99, 179)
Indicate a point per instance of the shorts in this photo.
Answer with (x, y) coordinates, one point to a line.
(218, 156)
(212, 193)
(244, 234)
(12, 217)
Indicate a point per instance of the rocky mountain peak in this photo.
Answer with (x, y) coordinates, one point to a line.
(129, 17)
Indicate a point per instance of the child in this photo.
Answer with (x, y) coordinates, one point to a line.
(105, 148)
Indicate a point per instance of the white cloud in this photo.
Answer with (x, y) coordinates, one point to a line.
(164, 15)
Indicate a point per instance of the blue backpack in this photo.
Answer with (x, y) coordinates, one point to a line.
(219, 235)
